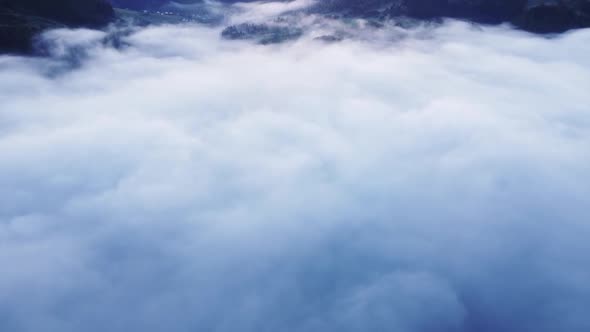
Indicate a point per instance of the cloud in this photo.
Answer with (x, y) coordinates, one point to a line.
(430, 179)
(262, 11)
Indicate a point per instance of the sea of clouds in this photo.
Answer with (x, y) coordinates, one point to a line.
(428, 179)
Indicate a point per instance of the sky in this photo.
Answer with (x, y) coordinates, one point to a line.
(433, 178)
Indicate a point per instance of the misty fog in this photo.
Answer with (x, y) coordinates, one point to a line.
(431, 178)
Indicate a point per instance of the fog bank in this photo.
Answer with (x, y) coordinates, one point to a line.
(430, 179)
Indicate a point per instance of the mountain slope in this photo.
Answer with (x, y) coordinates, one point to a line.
(21, 20)
(542, 16)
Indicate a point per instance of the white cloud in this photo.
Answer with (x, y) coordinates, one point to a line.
(264, 10)
(431, 179)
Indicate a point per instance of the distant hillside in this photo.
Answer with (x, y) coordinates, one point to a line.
(139, 4)
(541, 16)
(155, 4)
(21, 20)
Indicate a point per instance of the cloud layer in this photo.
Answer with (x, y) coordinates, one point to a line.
(433, 179)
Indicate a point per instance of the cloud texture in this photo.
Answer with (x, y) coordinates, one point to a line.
(432, 179)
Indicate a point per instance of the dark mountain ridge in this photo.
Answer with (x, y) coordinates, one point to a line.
(21, 20)
(539, 16)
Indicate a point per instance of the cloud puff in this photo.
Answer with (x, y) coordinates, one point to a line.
(262, 11)
(431, 179)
